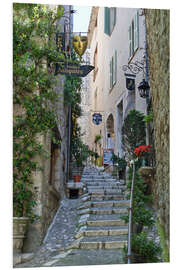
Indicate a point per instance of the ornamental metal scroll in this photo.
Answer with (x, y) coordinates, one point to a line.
(135, 67)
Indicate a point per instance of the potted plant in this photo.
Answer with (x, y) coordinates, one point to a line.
(22, 212)
(24, 198)
(143, 153)
(79, 155)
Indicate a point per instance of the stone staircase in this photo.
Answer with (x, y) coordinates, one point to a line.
(100, 225)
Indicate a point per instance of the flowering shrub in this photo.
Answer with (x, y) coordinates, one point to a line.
(142, 149)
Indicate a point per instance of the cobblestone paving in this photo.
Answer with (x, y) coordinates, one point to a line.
(60, 236)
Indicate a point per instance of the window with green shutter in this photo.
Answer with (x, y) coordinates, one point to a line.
(111, 74)
(136, 31)
(109, 20)
(113, 70)
(115, 66)
(134, 35)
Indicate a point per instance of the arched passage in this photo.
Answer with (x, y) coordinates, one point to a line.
(110, 132)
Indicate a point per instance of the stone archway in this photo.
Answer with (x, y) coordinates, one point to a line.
(110, 132)
(119, 128)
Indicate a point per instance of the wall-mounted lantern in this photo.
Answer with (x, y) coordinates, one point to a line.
(143, 89)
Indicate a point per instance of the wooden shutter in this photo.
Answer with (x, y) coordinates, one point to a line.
(136, 31)
(107, 20)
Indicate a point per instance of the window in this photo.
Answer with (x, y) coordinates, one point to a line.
(95, 99)
(134, 35)
(95, 63)
(113, 70)
(109, 20)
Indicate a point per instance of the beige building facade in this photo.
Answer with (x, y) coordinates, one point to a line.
(116, 40)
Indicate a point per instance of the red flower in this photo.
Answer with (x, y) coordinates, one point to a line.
(142, 149)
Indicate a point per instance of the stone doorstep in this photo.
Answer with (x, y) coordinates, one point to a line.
(73, 185)
(103, 245)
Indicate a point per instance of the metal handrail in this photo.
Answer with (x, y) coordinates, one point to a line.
(130, 216)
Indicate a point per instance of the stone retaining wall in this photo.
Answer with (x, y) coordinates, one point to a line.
(157, 22)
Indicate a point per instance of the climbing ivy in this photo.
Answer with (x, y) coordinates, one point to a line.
(34, 55)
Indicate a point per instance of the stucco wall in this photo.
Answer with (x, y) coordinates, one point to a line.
(157, 22)
(107, 101)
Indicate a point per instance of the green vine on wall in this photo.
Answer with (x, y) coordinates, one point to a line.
(34, 98)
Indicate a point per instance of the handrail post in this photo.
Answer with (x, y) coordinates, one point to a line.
(130, 216)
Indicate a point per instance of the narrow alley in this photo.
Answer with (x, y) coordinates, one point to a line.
(90, 135)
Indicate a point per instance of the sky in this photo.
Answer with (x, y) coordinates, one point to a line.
(81, 18)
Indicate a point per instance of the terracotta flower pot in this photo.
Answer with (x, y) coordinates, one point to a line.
(77, 178)
(147, 172)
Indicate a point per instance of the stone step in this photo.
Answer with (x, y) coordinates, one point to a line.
(106, 231)
(102, 204)
(103, 211)
(98, 187)
(105, 189)
(98, 178)
(105, 192)
(108, 197)
(105, 222)
(103, 242)
(109, 203)
(103, 184)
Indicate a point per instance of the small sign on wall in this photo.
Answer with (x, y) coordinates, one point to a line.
(97, 118)
(130, 84)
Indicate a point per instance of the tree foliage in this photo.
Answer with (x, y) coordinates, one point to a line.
(133, 132)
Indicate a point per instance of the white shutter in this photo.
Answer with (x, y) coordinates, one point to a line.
(115, 66)
(136, 31)
(130, 41)
(110, 66)
(113, 70)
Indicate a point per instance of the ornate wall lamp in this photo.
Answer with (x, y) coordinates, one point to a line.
(135, 68)
(143, 89)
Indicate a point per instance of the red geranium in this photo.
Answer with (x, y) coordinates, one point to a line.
(142, 149)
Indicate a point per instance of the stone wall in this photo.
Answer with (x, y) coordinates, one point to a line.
(49, 184)
(157, 23)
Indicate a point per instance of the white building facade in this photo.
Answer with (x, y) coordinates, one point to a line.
(117, 41)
